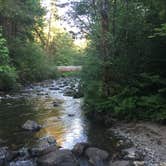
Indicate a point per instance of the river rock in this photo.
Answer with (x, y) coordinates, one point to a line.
(58, 158)
(22, 163)
(120, 163)
(139, 163)
(31, 126)
(69, 92)
(56, 104)
(24, 153)
(96, 156)
(43, 146)
(80, 148)
(3, 152)
(131, 154)
(6, 155)
(54, 88)
(71, 115)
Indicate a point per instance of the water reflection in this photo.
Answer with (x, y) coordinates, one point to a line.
(65, 121)
(36, 103)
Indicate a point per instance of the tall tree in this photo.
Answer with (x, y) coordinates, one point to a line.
(104, 11)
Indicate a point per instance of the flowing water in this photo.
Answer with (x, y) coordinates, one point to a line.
(60, 115)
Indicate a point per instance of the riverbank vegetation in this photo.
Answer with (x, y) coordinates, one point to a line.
(31, 43)
(124, 72)
(124, 67)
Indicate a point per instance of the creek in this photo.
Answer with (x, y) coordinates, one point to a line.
(61, 116)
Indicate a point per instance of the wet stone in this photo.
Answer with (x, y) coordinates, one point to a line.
(58, 158)
(56, 104)
(43, 146)
(6, 155)
(139, 163)
(96, 156)
(30, 125)
(23, 163)
(131, 154)
(71, 115)
(80, 148)
(54, 88)
(24, 153)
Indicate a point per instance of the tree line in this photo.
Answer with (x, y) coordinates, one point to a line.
(31, 45)
(124, 71)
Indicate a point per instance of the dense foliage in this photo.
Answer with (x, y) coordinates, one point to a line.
(30, 43)
(22, 23)
(7, 73)
(131, 67)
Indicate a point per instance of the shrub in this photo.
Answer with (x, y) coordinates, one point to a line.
(32, 63)
(8, 74)
(144, 100)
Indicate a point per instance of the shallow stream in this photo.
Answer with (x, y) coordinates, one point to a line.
(60, 115)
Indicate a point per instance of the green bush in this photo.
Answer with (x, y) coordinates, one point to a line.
(32, 63)
(8, 78)
(8, 74)
(144, 100)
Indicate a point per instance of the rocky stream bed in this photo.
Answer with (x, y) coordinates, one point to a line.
(44, 125)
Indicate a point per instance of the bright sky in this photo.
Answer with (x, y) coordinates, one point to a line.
(61, 13)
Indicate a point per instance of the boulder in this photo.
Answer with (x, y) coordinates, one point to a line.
(43, 146)
(22, 163)
(58, 158)
(80, 148)
(96, 156)
(31, 126)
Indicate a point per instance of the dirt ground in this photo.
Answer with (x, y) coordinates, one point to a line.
(148, 137)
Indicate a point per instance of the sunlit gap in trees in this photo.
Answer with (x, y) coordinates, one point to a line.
(61, 23)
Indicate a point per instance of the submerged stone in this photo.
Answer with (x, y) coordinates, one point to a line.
(30, 125)
(43, 146)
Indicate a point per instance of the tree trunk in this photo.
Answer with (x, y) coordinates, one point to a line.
(105, 45)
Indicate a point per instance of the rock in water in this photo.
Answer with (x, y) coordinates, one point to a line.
(96, 156)
(80, 148)
(31, 126)
(58, 158)
(44, 146)
(6, 155)
(22, 163)
(71, 115)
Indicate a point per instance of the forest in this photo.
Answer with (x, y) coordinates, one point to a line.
(117, 99)
(124, 61)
